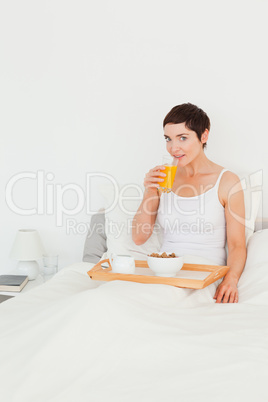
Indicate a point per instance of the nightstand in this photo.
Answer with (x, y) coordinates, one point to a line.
(30, 285)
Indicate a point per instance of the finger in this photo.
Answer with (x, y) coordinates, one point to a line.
(157, 169)
(152, 186)
(236, 297)
(157, 173)
(220, 295)
(153, 180)
(156, 176)
(217, 292)
(160, 167)
(226, 296)
(232, 297)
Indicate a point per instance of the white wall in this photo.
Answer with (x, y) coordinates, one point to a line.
(84, 87)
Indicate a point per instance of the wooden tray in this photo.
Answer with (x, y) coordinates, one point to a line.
(105, 274)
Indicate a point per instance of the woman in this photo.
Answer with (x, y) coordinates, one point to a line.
(205, 207)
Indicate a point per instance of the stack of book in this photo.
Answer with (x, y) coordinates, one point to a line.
(12, 283)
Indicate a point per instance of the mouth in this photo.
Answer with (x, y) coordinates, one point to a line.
(178, 156)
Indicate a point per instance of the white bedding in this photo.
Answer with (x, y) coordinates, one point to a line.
(74, 339)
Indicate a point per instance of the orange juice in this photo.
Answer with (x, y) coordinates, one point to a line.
(167, 184)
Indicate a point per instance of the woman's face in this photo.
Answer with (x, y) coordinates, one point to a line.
(182, 143)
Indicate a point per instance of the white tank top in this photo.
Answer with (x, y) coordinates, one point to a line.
(194, 225)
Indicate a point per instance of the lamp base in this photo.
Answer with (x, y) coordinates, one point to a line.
(29, 268)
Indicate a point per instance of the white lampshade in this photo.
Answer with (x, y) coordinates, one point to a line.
(27, 246)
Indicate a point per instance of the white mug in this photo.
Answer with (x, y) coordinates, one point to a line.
(122, 264)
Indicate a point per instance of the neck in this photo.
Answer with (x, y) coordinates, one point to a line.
(201, 164)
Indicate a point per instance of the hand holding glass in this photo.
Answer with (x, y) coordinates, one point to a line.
(170, 171)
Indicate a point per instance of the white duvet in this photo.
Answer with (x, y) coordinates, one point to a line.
(75, 339)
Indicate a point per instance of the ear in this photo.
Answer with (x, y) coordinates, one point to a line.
(204, 136)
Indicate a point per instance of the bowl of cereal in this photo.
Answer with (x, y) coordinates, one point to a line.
(164, 264)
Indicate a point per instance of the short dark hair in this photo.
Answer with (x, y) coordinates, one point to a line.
(195, 119)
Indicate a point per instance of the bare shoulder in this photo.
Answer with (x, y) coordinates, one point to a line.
(228, 178)
(229, 184)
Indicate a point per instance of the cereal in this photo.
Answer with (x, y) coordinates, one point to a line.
(163, 255)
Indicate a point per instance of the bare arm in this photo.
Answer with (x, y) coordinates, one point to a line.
(235, 230)
(144, 220)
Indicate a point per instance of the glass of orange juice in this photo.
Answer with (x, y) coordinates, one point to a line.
(170, 171)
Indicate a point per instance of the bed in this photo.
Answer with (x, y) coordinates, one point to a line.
(75, 339)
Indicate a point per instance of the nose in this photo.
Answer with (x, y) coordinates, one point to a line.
(175, 149)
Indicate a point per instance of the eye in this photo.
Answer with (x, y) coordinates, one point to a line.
(183, 138)
(167, 139)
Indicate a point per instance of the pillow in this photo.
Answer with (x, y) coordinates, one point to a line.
(251, 185)
(253, 283)
(121, 205)
(95, 244)
(257, 249)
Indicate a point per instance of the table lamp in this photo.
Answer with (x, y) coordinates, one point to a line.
(27, 248)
